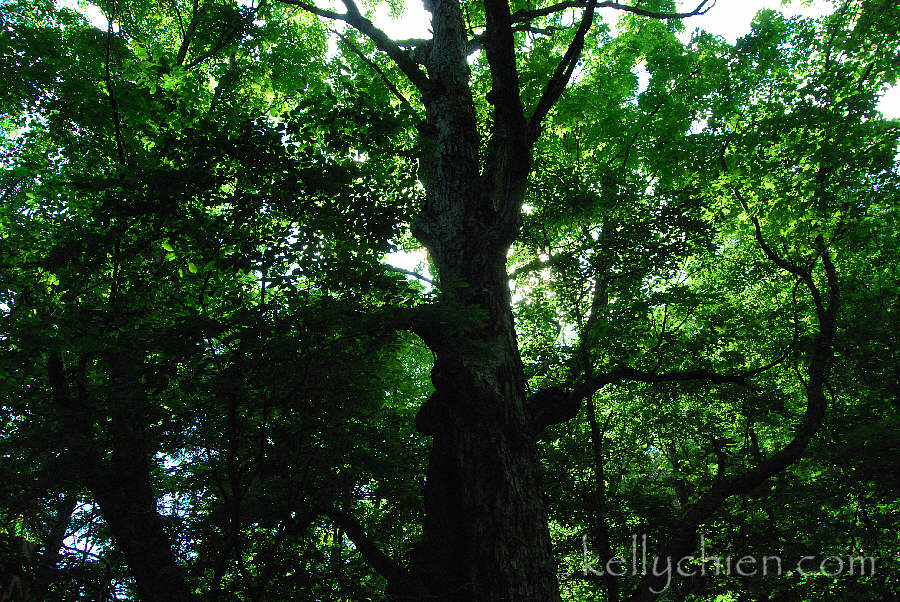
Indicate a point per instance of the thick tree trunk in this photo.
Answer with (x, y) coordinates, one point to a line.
(486, 535)
(485, 532)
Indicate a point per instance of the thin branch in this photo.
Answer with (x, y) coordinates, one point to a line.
(539, 264)
(223, 40)
(399, 270)
(543, 31)
(626, 152)
(180, 19)
(374, 67)
(682, 540)
(114, 105)
(804, 273)
(522, 16)
(630, 146)
(560, 258)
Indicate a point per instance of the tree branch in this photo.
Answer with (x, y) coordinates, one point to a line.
(560, 78)
(499, 47)
(380, 561)
(682, 541)
(401, 584)
(804, 273)
(224, 40)
(557, 404)
(371, 64)
(385, 44)
(508, 160)
(187, 35)
(626, 374)
(113, 104)
(399, 270)
(522, 16)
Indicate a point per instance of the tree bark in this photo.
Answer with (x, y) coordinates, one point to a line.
(485, 531)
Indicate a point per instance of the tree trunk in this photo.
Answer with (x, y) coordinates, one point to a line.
(486, 535)
(485, 531)
(124, 491)
(129, 508)
(121, 485)
(52, 549)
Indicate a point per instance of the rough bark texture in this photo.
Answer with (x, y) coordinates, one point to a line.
(485, 532)
(486, 535)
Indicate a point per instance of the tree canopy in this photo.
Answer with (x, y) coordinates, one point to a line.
(650, 320)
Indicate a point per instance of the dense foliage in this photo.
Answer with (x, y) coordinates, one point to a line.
(209, 369)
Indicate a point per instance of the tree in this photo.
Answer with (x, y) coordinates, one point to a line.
(208, 201)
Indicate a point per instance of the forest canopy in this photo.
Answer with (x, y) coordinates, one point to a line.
(650, 348)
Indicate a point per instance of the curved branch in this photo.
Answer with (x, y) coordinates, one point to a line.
(804, 273)
(682, 540)
(557, 404)
(384, 43)
(522, 16)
